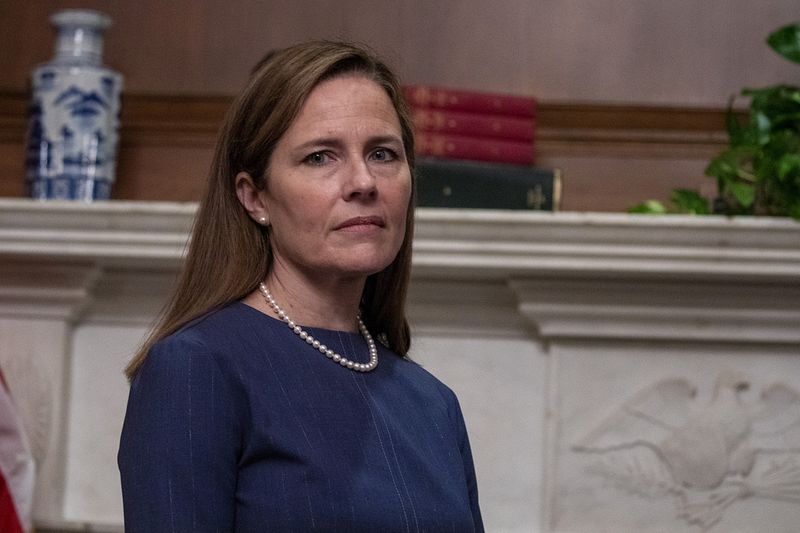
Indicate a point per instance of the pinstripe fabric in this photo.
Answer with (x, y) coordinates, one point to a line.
(234, 424)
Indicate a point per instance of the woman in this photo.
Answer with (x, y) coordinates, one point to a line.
(261, 401)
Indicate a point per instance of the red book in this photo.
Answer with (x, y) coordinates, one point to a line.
(474, 148)
(473, 124)
(471, 101)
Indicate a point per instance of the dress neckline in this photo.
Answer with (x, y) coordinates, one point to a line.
(280, 323)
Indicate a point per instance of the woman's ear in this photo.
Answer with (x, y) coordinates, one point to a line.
(252, 199)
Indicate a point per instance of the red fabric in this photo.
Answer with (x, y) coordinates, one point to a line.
(9, 522)
(16, 468)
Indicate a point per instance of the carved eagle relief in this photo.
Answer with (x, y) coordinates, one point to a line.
(707, 455)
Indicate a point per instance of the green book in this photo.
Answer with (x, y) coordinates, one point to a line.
(474, 184)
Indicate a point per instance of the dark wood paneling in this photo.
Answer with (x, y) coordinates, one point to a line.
(646, 52)
(611, 156)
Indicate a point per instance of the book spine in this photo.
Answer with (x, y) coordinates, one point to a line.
(474, 148)
(471, 101)
(481, 185)
(473, 124)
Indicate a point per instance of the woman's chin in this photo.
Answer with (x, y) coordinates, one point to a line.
(362, 260)
(360, 267)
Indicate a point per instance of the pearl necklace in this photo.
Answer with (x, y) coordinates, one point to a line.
(327, 352)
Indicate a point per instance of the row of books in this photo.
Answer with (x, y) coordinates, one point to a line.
(476, 150)
(459, 124)
(481, 185)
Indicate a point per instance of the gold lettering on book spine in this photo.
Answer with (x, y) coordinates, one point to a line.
(420, 96)
(421, 119)
(536, 198)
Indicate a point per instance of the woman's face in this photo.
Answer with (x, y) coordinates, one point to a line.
(338, 183)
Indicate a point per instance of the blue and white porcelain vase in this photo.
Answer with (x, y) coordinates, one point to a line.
(74, 118)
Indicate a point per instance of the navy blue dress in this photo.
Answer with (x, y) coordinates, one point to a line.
(235, 424)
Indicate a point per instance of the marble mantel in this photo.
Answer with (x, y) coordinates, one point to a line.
(564, 334)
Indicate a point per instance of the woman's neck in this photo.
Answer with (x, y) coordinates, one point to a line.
(329, 303)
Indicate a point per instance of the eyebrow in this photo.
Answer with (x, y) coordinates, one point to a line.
(385, 139)
(337, 143)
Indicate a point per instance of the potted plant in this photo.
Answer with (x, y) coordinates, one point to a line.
(759, 173)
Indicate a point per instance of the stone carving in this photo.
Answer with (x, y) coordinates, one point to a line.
(664, 442)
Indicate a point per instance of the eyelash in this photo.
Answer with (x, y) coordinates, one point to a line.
(391, 155)
(310, 158)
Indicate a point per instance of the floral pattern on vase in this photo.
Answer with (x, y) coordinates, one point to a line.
(74, 115)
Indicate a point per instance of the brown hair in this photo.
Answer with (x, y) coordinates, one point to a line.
(229, 253)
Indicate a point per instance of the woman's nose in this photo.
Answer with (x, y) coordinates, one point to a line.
(360, 181)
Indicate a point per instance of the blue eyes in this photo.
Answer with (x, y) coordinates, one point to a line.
(316, 159)
(383, 154)
(323, 157)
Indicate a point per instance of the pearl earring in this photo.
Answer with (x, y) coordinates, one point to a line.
(262, 221)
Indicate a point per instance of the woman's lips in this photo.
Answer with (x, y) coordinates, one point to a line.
(360, 222)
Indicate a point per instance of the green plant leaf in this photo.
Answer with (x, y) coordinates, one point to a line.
(782, 141)
(690, 201)
(789, 121)
(732, 163)
(763, 126)
(759, 173)
(789, 165)
(650, 207)
(786, 42)
(774, 100)
(793, 209)
(745, 193)
(733, 125)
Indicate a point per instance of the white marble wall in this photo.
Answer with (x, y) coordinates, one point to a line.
(585, 350)
(642, 447)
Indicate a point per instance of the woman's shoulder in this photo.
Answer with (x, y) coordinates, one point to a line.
(227, 322)
(234, 315)
(426, 380)
(202, 340)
